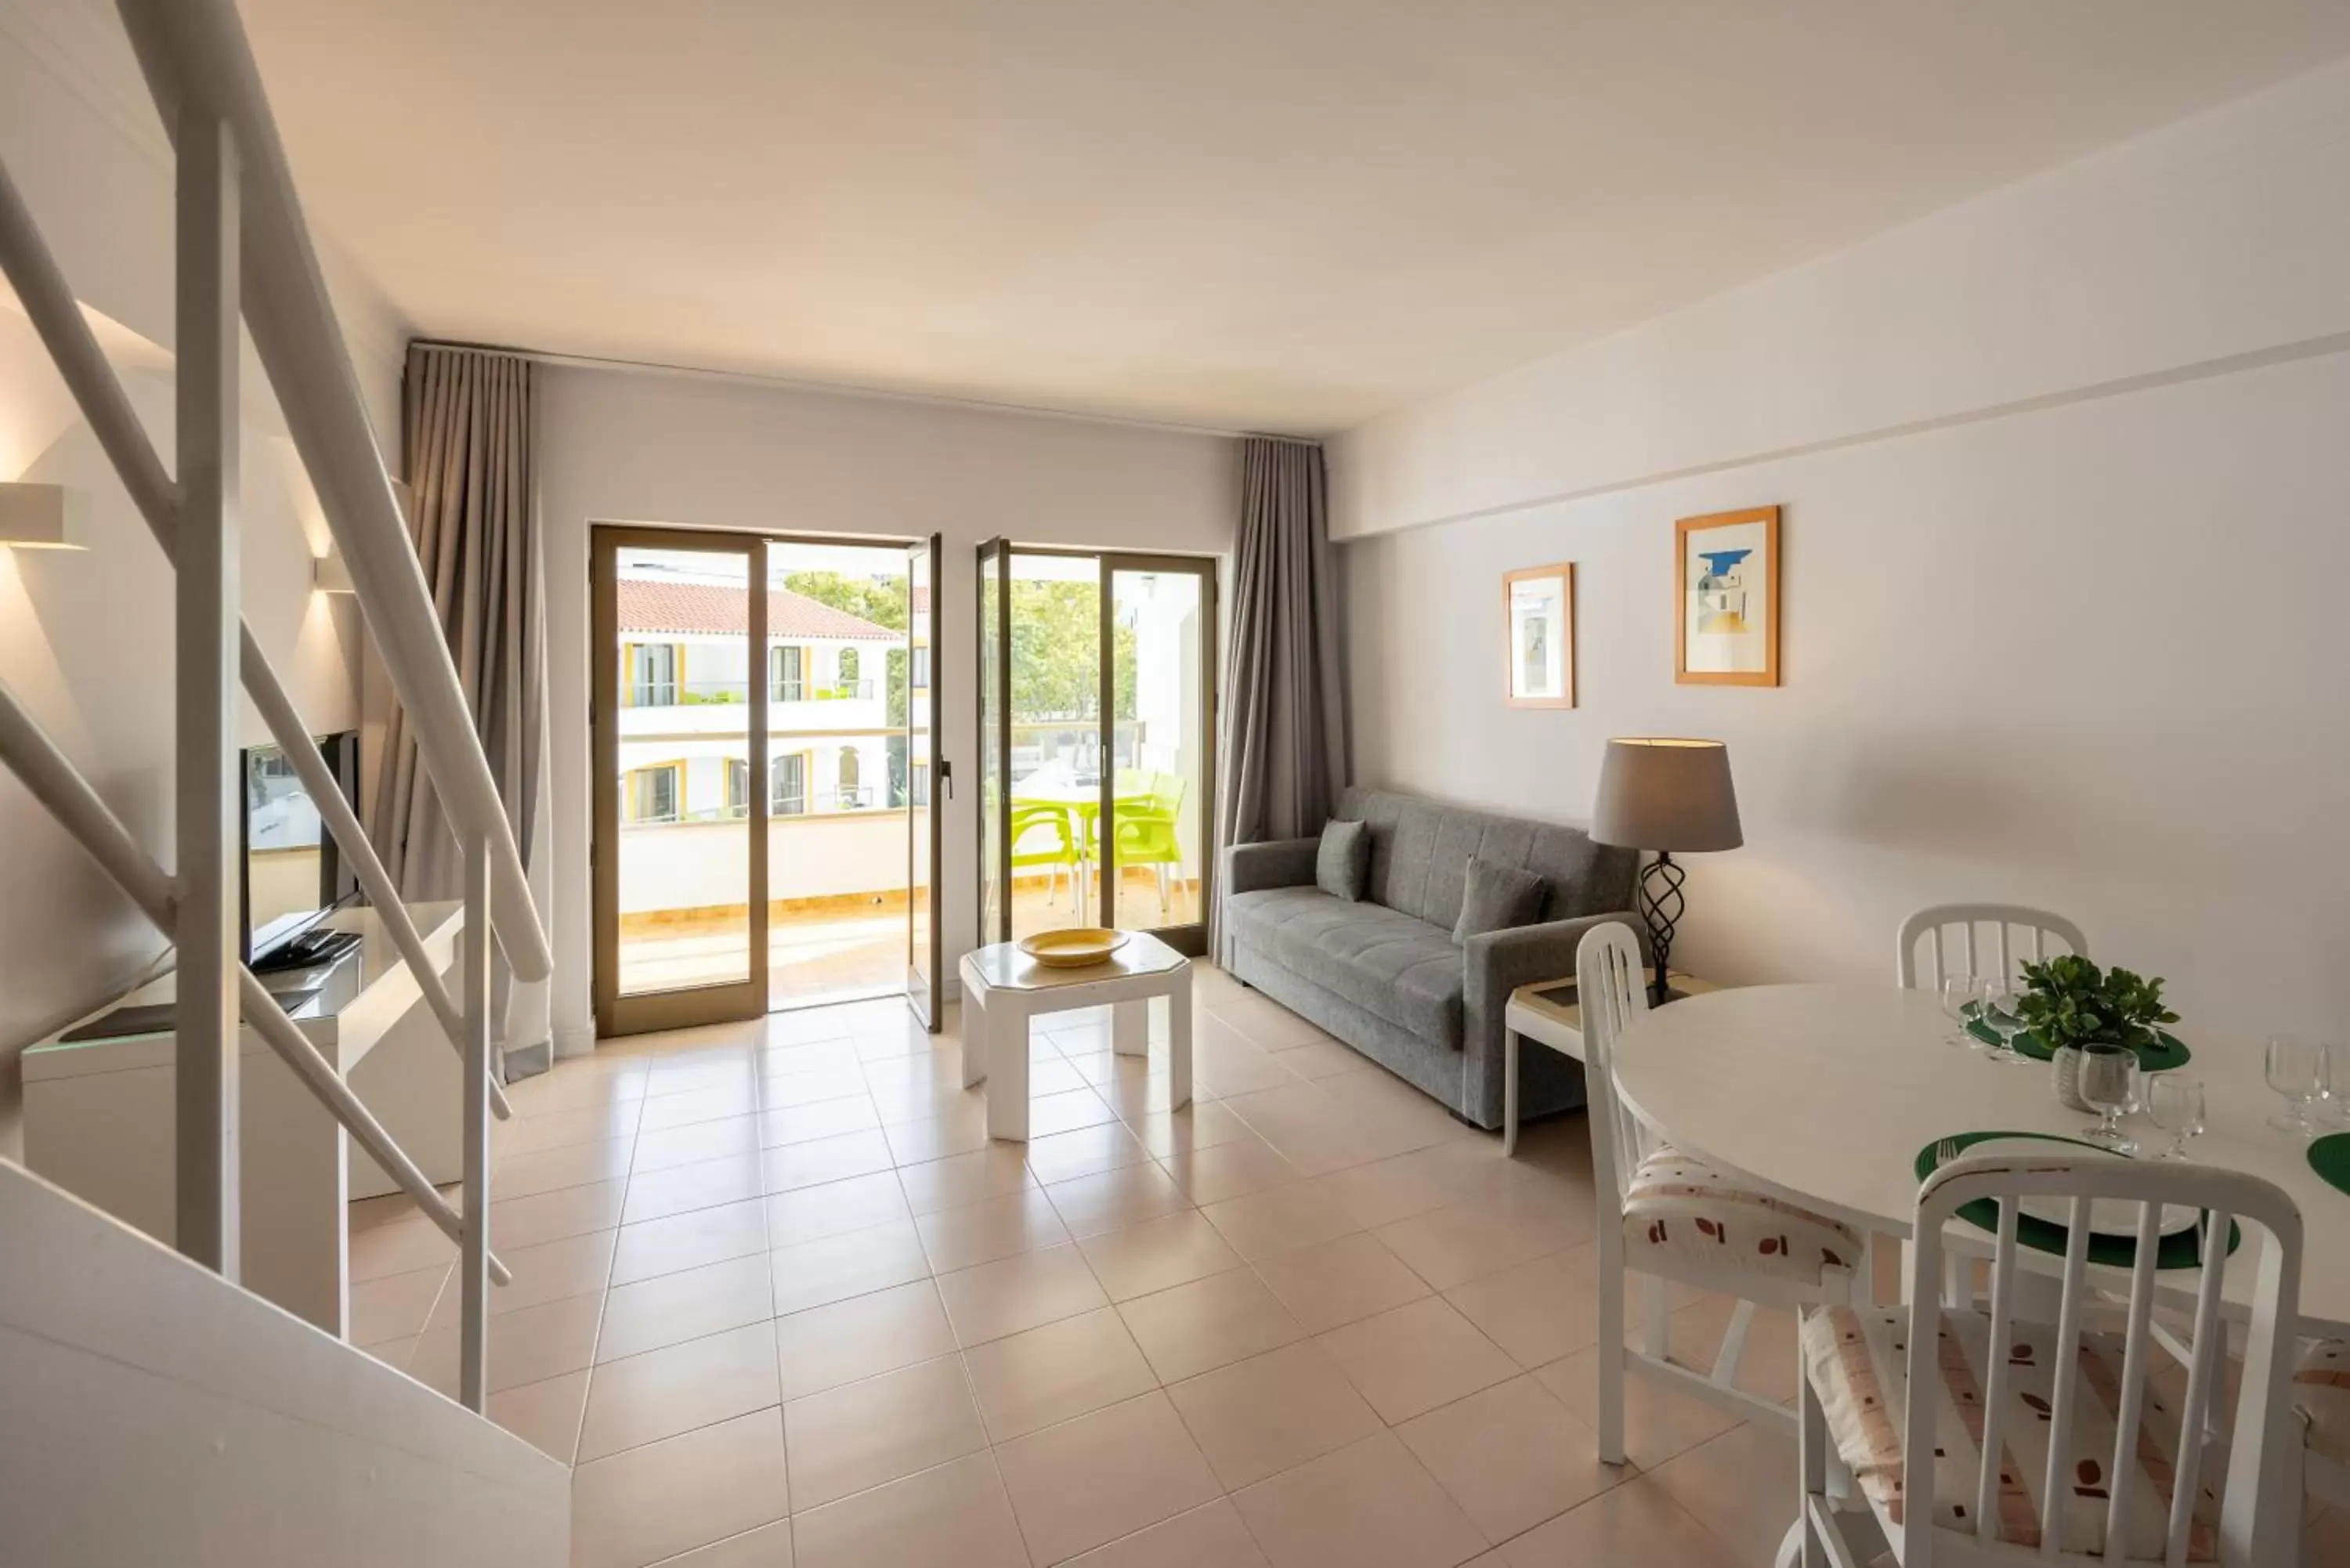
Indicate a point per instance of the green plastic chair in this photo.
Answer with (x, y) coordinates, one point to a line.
(1146, 825)
(1034, 823)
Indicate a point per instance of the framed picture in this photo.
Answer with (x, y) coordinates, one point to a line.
(1538, 605)
(1726, 599)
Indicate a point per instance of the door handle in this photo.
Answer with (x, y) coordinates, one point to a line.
(946, 777)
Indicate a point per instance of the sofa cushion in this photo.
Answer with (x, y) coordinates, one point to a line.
(1342, 863)
(1420, 851)
(1404, 970)
(1495, 898)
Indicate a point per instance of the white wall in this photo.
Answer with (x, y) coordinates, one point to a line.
(623, 446)
(86, 640)
(2063, 473)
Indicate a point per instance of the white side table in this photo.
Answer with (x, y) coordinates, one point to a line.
(1547, 1014)
(1004, 988)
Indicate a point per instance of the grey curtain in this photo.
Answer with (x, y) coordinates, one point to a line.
(470, 438)
(1284, 741)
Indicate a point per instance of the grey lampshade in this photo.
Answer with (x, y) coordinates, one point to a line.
(1659, 793)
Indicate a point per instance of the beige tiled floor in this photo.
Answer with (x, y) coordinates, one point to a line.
(781, 1302)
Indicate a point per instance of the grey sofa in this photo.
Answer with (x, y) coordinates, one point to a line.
(1384, 976)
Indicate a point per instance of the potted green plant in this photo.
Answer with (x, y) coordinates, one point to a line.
(2072, 1006)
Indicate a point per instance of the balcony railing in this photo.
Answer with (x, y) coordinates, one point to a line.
(696, 693)
(821, 803)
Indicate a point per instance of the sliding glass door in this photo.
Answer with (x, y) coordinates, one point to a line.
(1096, 738)
(766, 775)
(681, 779)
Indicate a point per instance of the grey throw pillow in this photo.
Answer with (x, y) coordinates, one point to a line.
(1496, 898)
(1342, 867)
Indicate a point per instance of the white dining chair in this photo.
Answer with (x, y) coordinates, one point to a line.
(1999, 1441)
(1950, 932)
(1666, 1216)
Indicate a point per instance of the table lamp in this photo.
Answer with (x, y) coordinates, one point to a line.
(1665, 794)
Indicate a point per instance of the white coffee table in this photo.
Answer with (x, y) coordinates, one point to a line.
(1004, 988)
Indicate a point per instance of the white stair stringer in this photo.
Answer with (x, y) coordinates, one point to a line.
(153, 1413)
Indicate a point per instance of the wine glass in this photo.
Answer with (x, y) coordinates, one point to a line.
(2003, 1009)
(1963, 1002)
(2175, 1104)
(2108, 1084)
(2297, 1069)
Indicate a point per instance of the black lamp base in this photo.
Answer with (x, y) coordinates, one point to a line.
(1661, 906)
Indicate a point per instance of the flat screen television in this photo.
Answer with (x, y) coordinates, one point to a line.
(293, 875)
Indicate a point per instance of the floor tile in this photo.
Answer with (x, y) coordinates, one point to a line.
(956, 1516)
(1467, 1241)
(769, 1546)
(1260, 1416)
(912, 1143)
(401, 1246)
(1208, 1323)
(824, 1118)
(1741, 1486)
(1230, 1169)
(705, 1184)
(573, 1091)
(1340, 1281)
(1368, 1506)
(865, 1434)
(1087, 1482)
(734, 1136)
(825, 1346)
(395, 1306)
(1061, 1156)
(853, 1263)
(1281, 1219)
(1066, 1112)
(1109, 1199)
(688, 1241)
(809, 1213)
(1659, 1424)
(963, 1178)
(1158, 1255)
(551, 1216)
(664, 1392)
(1637, 1521)
(1769, 1363)
(670, 1309)
(737, 1099)
(594, 1124)
(1413, 1358)
(781, 1089)
(1030, 1380)
(524, 1346)
(1017, 1293)
(1510, 1455)
(826, 1159)
(552, 1270)
(544, 1414)
(1209, 1537)
(653, 1502)
(575, 1165)
(1020, 1220)
(1203, 1124)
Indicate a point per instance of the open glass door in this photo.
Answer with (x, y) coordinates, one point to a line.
(927, 782)
(992, 800)
(680, 790)
(1156, 844)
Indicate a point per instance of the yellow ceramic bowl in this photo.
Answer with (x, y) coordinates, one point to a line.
(1076, 948)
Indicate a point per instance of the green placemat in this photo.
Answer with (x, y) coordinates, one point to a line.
(2167, 1052)
(2181, 1250)
(2330, 1157)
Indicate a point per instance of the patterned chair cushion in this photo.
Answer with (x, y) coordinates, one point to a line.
(1684, 1208)
(2320, 1388)
(1857, 1360)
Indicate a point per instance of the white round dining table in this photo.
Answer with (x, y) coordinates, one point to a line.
(1825, 1094)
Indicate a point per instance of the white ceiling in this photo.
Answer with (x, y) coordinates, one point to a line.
(1276, 215)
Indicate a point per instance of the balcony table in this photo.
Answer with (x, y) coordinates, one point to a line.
(1056, 787)
(1824, 1094)
(1004, 988)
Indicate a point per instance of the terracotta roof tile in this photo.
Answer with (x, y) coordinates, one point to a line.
(649, 604)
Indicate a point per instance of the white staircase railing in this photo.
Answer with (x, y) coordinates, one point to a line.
(244, 251)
